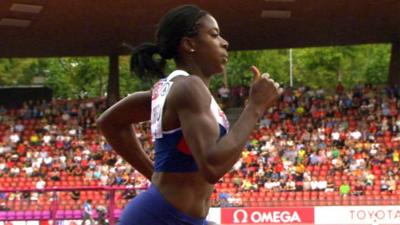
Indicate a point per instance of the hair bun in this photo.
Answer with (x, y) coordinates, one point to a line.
(142, 61)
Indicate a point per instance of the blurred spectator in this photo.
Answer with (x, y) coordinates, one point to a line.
(384, 184)
(392, 184)
(87, 212)
(3, 207)
(130, 192)
(359, 188)
(290, 185)
(224, 199)
(40, 184)
(55, 175)
(224, 94)
(330, 186)
(344, 189)
(75, 195)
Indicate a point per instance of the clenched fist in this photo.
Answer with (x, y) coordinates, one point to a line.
(264, 91)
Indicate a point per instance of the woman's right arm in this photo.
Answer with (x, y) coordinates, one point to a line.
(215, 155)
(116, 126)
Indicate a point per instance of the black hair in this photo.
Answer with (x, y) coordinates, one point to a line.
(177, 23)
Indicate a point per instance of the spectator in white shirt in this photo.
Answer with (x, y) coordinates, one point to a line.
(14, 138)
(322, 185)
(356, 135)
(40, 184)
(314, 184)
(14, 171)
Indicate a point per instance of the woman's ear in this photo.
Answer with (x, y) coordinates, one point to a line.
(188, 44)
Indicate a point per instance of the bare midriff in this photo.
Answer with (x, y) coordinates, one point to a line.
(187, 192)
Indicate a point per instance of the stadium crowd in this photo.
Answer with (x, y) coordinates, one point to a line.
(346, 142)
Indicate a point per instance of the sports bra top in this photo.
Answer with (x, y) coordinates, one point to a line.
(171, 152)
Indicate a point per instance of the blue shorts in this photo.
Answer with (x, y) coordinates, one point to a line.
(150, 208)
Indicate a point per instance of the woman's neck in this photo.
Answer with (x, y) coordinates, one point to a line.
(193, 69)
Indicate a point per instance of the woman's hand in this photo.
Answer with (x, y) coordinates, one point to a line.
(264, 91)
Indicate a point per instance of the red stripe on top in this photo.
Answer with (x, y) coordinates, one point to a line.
(182, 147)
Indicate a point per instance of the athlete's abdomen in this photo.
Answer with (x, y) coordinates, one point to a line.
(188, 192)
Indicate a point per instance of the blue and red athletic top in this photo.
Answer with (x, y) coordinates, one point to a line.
(171, 152)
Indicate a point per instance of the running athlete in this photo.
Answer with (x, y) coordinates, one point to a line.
(194, 146)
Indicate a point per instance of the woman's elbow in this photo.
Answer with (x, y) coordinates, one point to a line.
(210, 175)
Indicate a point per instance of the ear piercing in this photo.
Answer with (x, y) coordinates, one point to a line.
(192, 50)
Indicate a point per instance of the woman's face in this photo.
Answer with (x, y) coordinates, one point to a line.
(211, 50)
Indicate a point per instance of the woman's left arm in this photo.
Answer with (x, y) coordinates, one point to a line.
(116, 126)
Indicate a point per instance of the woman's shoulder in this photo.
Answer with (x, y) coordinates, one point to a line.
(187, 80)
(189, 90)
(189, 85)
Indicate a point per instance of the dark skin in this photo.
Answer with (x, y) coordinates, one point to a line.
(202, 56)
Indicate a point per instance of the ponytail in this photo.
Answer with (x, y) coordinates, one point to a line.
(177, 23)
(144, 63)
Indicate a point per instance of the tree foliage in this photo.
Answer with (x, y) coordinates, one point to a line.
(314, 67)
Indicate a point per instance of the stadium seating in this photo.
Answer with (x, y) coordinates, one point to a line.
(289, 144)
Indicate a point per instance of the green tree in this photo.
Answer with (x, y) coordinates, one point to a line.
(315, 67)
(275, 62)
(14, 71)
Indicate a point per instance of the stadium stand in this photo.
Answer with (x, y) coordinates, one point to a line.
(312, 149)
